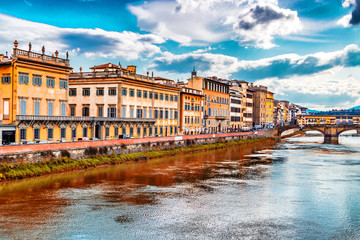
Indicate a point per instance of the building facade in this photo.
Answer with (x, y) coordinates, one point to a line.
(216, 102)
(124, 103)
(260, 93)
(191, 113)
(33, 91)
(269, 109)
(235, 110)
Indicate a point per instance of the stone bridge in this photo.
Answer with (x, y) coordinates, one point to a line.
(331, 132)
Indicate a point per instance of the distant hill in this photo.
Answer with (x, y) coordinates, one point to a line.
(355, 108)
(312, 111)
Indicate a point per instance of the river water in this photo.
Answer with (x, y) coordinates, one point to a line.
(296, 189)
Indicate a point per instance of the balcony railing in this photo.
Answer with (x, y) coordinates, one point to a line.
(43, 57)
(109, 74)
(81, 119)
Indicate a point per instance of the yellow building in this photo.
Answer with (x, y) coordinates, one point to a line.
(191, 113)
(269, 108)
(122, 102)
(33, 92)
(216, 102)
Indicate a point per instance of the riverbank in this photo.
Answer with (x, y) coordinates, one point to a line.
(25, 170)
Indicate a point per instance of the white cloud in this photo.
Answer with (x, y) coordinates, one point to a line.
(195, 22)
(344, 21)
(90, 42)
(335, 88)
(348, 3)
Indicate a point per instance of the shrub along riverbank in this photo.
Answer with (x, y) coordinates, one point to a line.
(24, 170)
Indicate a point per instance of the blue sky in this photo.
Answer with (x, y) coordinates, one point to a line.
(306, 51)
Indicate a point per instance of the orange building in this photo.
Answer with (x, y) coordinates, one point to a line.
(191, 113)
(216, 102)
(33, 93)
(122, 102)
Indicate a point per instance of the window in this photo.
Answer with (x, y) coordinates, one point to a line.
(85, 131)
(132, 93)
(156, 131)
(63, 109)
(139, 113)
(85, 111)
(144, 113)
(50, 108)
(156, 96)
(24, 78)
(150, 95)
(124, 112)
(124, 92)
(123, 130)
(112, 91)
(150, 131)
(166, 114)
(171, 98)
(64, 84)
(161, 96)
(156, 113)
(112, 112)
(37, 81)
(86, 92)
(171, 115)
(145, 94)
(73, 133)
(131, 112)
(116, 132)
(36, 133)
(176, 114)
(161, 114)
(131, 131)
(50, 133)
(23, 107)
(107, 132)
(144, 132)
(100, 111)
(6, 105)
(176, 98)
(72, 111)
(72, 92)
(175, 130)
(50, 82)
(166, 97)
(22, 134)
(63, 132)
(150, 113)
(138, 94)
(99, 92)
(37, 108)
(139, 131)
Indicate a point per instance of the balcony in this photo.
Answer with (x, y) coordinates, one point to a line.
(109, 74)
(81, 119)
(42, 57)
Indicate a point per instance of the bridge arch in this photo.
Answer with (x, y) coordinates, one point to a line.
(348, 129)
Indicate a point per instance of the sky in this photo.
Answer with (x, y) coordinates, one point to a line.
(305, 51)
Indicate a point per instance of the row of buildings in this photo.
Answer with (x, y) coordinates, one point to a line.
(43, 99)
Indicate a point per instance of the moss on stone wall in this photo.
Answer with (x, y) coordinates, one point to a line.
(24, 170)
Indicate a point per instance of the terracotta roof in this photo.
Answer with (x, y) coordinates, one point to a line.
(106, 65)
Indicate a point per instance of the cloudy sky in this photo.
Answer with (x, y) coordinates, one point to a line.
(306, 51)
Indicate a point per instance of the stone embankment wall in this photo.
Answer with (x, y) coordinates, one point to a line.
(78, 150)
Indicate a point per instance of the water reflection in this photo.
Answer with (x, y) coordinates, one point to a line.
(297, 189)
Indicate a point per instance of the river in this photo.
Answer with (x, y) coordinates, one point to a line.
(296, 189)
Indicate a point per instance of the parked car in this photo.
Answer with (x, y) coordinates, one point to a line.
(124, 136)
(94, 139)
(245, 129)
(61, 141)
(14, 143)
(83, 139)
(42, 141)
(158, 135)
(29, 142)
